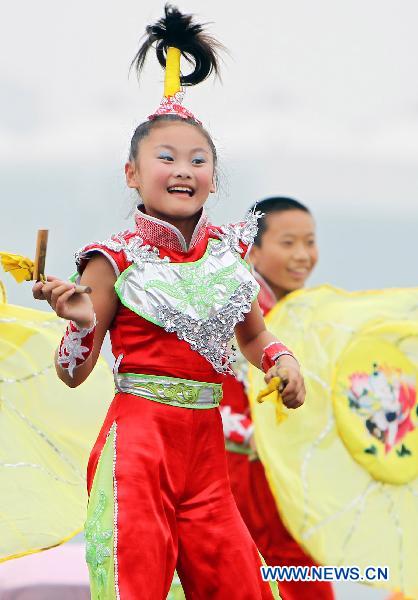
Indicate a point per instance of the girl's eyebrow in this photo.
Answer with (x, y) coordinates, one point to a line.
(200, 150)
(289, 234)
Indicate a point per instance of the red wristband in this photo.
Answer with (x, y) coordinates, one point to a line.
(76, 346)
(272, 353)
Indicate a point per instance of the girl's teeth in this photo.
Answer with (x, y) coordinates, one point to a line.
(181, 190)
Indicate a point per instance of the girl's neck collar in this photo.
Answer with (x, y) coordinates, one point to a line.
(161, 233)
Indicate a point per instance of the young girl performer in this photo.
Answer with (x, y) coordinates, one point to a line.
(171, 293)
(283, 256)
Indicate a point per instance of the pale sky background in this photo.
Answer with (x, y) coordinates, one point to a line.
(319, 101)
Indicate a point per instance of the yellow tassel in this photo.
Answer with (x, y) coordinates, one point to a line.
(172, 72)
(20, 267)
(273, 387)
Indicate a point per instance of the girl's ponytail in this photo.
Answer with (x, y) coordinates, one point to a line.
(176, 30)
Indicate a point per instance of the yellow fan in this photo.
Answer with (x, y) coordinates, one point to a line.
(20, 267)
(344, 467)
(46, 433)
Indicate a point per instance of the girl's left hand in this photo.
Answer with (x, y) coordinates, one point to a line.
(293, 388)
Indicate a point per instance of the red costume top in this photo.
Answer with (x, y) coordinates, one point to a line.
(158, 327)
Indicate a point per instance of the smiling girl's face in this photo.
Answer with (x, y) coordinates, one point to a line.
(173, 172)
(288, 251)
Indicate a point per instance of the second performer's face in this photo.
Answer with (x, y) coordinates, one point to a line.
(174, 170)
(288, 251)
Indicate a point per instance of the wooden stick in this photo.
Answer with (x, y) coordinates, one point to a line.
(40, 256)
(83, 289)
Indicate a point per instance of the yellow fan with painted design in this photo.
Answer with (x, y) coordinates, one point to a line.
(344, 467)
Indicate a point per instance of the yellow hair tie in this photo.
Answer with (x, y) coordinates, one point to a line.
(172, 72)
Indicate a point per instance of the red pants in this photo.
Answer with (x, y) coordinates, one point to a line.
(174, 506)
(258, 509)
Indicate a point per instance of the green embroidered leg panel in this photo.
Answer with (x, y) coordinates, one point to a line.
(99, 527)
(176, 591)
(273, 585)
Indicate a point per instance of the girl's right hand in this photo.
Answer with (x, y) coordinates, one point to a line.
(62, 298)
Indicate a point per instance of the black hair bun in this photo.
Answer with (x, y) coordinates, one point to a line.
(179, 30)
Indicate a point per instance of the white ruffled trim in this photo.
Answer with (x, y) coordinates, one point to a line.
(72, 348)
(233, 423)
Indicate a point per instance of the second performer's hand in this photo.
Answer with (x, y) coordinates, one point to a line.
(293, 386)
(64, 301)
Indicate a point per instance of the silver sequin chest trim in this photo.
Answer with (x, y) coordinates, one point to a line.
(201, 302)
(211, 337)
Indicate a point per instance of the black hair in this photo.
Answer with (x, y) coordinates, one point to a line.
(274, 204)
(198, 48)
(179, 30)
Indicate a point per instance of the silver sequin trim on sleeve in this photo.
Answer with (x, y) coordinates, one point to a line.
(231, 235)
(115, 514)
(133, 248)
